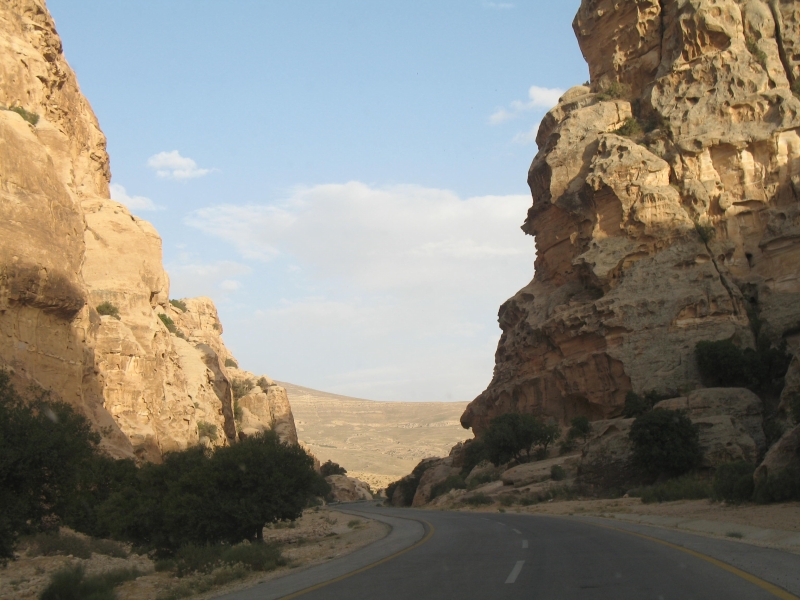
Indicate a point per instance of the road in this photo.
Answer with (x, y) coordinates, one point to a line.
(464, 556)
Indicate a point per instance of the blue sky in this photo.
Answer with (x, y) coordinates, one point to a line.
(345, 179)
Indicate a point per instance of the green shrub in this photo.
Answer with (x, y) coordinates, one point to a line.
(407, 485)
(636, 405)
(43, 445)
(72, 583)
(581, 428)
(241, 387)
(758, 53)
(723, 364)
(30, 117)
(478, 499)
(508, 500)
(688, 487)
(179, 304)
(193, 558)
(331, 468)
(231, 364)
(55, 543)
(665, 442)
(615, 91)
(481, 479)
(566, 445)
(108, 309)
(512, 434)
(263, 383)
(209, 430)
(169, 323)
(782, 486)
(475, 452)
(706, 232)
(733, 482)
(453, 482)
(557, 473)
(630, 128)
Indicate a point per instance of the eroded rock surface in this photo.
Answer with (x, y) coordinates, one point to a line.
(649, 243)
(348, 489)
(66, 248)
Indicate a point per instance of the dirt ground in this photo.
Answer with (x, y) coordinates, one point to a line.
(784, 517)
(318, 536)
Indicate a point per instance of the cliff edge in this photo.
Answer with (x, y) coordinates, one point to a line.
(665, 207)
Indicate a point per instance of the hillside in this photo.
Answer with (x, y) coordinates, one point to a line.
(376, 442)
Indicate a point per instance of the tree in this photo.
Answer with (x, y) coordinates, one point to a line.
(331, 468)
(581, 427)
(42, 445)
(512, 434)
(665, 442)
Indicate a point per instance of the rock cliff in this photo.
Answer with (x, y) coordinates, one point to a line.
(150, 375)
(665, 207)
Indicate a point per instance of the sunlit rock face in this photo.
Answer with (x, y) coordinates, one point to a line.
(649, 243)
(66, 247)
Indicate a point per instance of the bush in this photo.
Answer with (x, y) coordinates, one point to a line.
(67, 544)
(331, 468)
(557, 473)
(71, 583)
(42, 447)
(231, 364)
(758, 53)
(566, 445)
(30, 117)
(407, 485)
(636, 405)
(782, 486)
(107, 309)
(179, 304)
(665, 442)
(706, 232)
(209, 430)
(453, 482)
(241, 387)
(474, 453)
(723, 364)
(581, 427)
(481, 479)
(733, 482)
(478, 500)
(193, 558)
(688, 487)
(169, 323)
(512, 434)
(615, 91)
(630, 128)
(263, 383)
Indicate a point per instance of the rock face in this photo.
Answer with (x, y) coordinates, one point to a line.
(348, 489)
(649, 243)
(66, 248)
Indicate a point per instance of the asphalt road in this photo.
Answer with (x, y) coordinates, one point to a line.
(464, 556)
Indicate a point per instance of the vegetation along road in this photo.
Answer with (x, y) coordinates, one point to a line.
(464, 555)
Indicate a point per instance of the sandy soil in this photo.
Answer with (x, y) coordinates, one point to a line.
(784, 517)
(320, 535)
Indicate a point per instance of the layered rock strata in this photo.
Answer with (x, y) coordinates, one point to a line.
(66, 248)
(665, 207)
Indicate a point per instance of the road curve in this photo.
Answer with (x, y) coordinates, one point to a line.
(510, 556)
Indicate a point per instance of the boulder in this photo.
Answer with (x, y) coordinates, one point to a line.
(784, 453)
(536, 472)
(348, 489)
(434, 474)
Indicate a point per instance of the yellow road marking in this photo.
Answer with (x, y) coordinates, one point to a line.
(764, 585)
(428, 536)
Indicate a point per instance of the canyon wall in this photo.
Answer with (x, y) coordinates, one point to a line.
(665, 207)
(150, 385)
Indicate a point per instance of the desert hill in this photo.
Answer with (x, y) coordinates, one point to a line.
(377, 442)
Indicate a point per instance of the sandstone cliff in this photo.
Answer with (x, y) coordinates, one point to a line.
(665, 207)
(150, 385)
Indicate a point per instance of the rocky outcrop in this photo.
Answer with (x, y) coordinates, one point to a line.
(437, 473)
(268, 409)
(66, 248)
(785, 453)
(665, 208)
(348, 489)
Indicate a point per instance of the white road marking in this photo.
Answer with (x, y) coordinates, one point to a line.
(524, 543)
(515, 571)
(516, 531)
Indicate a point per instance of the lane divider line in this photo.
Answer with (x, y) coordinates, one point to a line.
(524, 543)
(313, 588)
(516, 531)
(515, 571)
(773, 589)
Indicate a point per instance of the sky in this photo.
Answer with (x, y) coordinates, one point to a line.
(346, 180)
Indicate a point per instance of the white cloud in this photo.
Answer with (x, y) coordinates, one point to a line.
(498, 5)
(191, 278)
(526, 137)
(382, 292)
(230, 285)
(174, 166)
(134, 203)
(539, 98)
